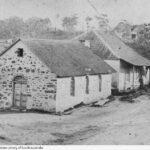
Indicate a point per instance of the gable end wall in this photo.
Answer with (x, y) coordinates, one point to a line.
(41, 83)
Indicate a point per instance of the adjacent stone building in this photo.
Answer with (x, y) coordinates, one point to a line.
(51, 75)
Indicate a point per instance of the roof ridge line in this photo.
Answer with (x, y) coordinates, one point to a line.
(84, 33)
(132, 49)
(106, 43)
(5, 50)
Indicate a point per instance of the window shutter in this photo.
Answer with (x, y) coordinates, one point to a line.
(87, 85)
(20, 52)
(100, 83)
(72, 88)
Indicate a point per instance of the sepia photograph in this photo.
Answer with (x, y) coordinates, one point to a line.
(74, 72)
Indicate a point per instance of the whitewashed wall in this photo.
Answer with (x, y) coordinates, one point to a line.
(115, 64)
(118, 79)
(132, 84)
(134, 80)
(147, 77)
(94, 93)
(121, 81)
(64, 100)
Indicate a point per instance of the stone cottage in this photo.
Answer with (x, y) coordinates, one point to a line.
(51, 75)
(130, 66)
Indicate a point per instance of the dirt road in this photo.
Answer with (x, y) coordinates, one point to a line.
(116, 123)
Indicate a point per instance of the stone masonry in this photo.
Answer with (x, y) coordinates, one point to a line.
(41, 83)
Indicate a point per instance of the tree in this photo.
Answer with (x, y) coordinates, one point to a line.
(69, 23)
(142, 42)
(56, 20)
(103, 22)
(88, 20)
(15, 27)
(12, 27)
(144, 33)
(36, 27)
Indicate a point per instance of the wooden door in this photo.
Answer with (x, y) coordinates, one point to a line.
(17, 94)
(23, 96)
(20, 96)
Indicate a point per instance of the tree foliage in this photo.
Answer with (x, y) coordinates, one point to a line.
(34, 27)
(15, 27)
(12, 27)
(88, 20)
(103, 22)
(69, 23)
(142, 42)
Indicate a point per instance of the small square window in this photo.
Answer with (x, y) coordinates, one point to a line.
(133, 36)
(20, 52)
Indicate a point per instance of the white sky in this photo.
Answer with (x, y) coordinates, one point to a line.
(135, 11)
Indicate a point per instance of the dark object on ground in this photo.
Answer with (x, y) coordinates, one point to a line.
(38, 111)
(79, 105)
(70, 110)
(101, 103)
(111, 98)
(115, 92)
(96, 105)
(127, 98)
(80, 135)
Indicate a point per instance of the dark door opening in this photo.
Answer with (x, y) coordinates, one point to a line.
(19, 95)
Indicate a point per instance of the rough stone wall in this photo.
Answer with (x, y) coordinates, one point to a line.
(41, 83)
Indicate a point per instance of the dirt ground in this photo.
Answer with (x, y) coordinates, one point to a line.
(115, 123)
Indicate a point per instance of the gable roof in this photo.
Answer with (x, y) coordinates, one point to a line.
(117, 47)
(66, 58)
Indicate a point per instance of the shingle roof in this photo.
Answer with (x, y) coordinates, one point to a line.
(67, 58)
(119, 48)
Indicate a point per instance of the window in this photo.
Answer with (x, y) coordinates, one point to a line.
(100, 83)
(72, 88)
(87, 85)
(133, 36)
(20, 52)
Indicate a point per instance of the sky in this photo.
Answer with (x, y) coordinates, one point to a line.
(134, 11)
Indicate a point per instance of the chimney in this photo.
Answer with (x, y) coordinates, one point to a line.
(86, 43)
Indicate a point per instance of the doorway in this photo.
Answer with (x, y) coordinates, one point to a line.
(19, 92)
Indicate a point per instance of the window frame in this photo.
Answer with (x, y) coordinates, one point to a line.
(20, 52)
(100, 82)
(87, 85)
(72, 86)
